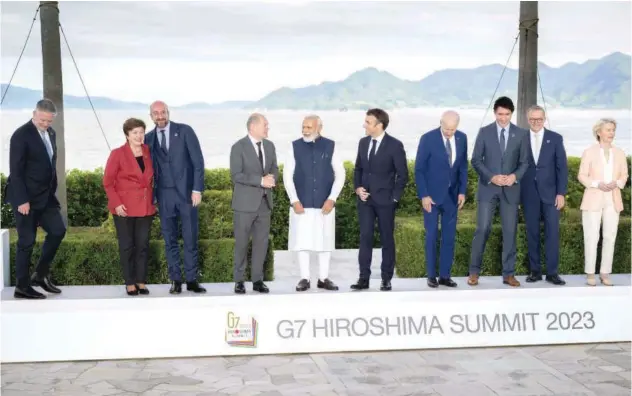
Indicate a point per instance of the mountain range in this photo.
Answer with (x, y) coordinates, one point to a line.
(596, 83)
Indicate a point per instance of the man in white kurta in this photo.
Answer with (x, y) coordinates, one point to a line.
(313, 177)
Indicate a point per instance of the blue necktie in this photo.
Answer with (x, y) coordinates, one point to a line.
(502, 141)
(49, 149)
(163, 141)
(448, 149)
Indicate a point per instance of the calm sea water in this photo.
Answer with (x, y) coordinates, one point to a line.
(86, 147)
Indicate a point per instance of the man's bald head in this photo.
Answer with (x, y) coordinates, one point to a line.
(312, 127)
(257, 126)
(159, 112)
(449, 123)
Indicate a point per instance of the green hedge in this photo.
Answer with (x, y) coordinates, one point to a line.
(89, 256)
(410, 249)
(87, 203)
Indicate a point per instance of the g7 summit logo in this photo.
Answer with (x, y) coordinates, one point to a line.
(241, 331)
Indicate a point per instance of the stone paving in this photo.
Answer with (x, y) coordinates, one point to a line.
(562, 370)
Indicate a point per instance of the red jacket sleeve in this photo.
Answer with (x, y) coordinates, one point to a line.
(110, 175)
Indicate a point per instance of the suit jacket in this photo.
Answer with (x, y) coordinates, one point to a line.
(32, 174)
(387, 176)
(488, 161)
(591, 171)
(433, 174)
(547, 178)
(125, 183)
(185, 159)
(246, 174)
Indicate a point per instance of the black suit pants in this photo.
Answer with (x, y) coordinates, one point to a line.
(133, 240)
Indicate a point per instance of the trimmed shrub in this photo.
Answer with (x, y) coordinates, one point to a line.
(411, 257)
(89, 256)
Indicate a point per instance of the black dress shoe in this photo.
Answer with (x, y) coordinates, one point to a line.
(176, 287)
(303, 285)
(556, 280)
(45, 283)
(27, 293)
(327, 284)
(195, 287)
(133, 292)
(361, 284)
(447, 282)
(260, 287)
(432, 282)
(240, 288)
(143, 290)
(386, 285)
(533, 277)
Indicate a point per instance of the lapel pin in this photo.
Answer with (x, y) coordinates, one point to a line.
(548, 141)
(513, 135)
(175, 134)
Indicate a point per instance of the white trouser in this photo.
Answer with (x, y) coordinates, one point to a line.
(323, 262)
(592, 222)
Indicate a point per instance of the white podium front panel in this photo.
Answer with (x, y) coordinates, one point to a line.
(101, 322)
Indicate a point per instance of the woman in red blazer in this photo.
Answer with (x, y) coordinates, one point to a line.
(128, 183)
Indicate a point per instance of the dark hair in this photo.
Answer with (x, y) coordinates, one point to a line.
(505, 103)
(132, 123)
(380, 115)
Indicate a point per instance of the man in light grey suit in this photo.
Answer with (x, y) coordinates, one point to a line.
(500, 159)
(254, 172)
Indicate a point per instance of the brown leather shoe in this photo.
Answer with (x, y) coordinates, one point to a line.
(511, 281)
(472, 280)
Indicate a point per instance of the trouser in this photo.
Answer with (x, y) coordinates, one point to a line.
(49, 218)
(257, 225)
(323, 263)
(133, 241)
(592, 222)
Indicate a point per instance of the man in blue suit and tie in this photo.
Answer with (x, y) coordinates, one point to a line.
(178, 186)
(441, 178)
(543, 188)
(500, 159)
(379, 179)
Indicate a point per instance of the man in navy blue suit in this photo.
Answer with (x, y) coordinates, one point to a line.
(543, 188)
(379, 179)
(179, 182)
(441, 178)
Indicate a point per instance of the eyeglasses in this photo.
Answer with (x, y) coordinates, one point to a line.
(536, 119)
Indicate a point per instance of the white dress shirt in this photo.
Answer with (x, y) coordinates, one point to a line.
(377, 144)
(164, 130)
(608, 169)
(254, 144)
(536, 143)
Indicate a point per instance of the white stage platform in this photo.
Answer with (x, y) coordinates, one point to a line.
(102, 322)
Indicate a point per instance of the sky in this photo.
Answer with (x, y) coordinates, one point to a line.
(184, 52)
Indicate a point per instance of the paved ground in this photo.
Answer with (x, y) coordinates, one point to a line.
(564, 370)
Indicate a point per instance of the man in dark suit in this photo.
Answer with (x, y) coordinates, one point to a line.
(543, 188)
(254, 173)
(30, 190)
(379, 179)
(441, 178)
(179, 182)
(500, 159)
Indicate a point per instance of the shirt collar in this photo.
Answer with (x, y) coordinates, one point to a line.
(38, 130)
(166, 128)
(379, 138)
(253, 140)
(533, 133)
(499, 128)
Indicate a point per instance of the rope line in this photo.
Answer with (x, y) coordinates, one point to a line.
(15, 69)
(84, 86)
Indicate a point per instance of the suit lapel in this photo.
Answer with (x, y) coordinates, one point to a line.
(254, 154)
(509, 138)
(131, 161)
(544, 145)
(267, 156)
(40, 144)
(174, 138)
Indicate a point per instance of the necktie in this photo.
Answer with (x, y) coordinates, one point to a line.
(537, 147)
(502, 141)
(49, 149)
(372, 152)
(163, 141)
(448, 150)
(260, 156)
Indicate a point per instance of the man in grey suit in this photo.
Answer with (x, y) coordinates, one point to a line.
(500, 159)
(254, 172)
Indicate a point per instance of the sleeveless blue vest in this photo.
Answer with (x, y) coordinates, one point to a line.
(165, 176)
(313, 174)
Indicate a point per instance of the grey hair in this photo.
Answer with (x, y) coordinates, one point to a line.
(317, 118)
(451, 113)
(535, 108)
(600, 124)
(46, 105)
(254, 117)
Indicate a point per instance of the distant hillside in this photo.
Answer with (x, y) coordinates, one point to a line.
(597, 83)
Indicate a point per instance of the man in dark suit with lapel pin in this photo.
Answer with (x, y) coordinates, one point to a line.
(543, 188)
(254, 173)
(30, 190)
(500, 159)
(441, 178)
(179, 182)
(379, 179)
